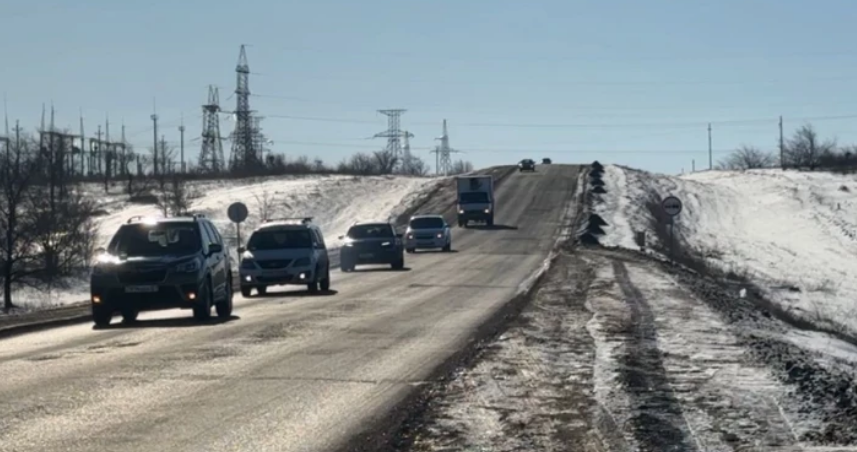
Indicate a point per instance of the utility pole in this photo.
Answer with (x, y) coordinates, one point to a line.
(710, 155)
(155, 152)
(181, 133)
(693, 165)
(165, 165)
(782, 147)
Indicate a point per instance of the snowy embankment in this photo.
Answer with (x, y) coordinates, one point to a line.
(794, 234)
(335, 202)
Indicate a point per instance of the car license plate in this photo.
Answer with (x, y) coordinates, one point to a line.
(141, 289)
(366, 256)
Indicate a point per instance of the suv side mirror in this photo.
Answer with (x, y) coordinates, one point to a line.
(399, 235)
(215, 248)
(241, 250)
(341, 237)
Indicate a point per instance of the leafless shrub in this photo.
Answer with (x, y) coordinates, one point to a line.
(175, 197)
(265, 204)
(747, 157)
(806, 150)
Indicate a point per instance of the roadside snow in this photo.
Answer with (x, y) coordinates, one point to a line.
(793, 233)
(613, 354)
(335, 202)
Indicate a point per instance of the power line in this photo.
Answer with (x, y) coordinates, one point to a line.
(516, 150)
(553, 57)
(587, 108)
(542, 82)
(677, 125)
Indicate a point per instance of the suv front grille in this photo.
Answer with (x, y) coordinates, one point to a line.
(142, 276)
(274, 263)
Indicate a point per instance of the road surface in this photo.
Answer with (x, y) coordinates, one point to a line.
(290, 372)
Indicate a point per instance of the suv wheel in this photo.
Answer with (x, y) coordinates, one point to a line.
(129, 315)
(448, 247)
(325, 282)
(399, 264)
(224, 308)
(246, 291)
(202, 310)
(101, 316)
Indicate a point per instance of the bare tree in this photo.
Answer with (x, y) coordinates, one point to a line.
(265, 205)
(747, 157)
(418, 167)
(806, 150)
(359, 164)
(21, 166)
(385, 161)
(175, 197)
(318, 165)
(461, 167)
(63, 237)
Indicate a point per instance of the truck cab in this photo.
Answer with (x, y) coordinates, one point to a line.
(475, 199)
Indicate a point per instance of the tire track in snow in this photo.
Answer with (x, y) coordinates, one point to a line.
(658, 422)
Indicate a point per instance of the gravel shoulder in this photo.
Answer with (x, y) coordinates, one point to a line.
(617, 352)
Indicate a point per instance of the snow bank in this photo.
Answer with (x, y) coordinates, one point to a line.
(793, 233)
(335, 202)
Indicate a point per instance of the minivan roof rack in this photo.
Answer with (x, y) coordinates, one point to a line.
(301, 220)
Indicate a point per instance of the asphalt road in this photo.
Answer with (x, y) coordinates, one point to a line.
(291, 372)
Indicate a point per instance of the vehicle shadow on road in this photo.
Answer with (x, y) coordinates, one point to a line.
(174, 322)
(434, 252)
(496, 227)
(296, 293)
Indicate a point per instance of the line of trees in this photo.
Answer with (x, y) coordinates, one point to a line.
(46, 224)
(47, 227)
(804, 150)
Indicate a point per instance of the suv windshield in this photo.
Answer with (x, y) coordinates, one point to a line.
(371, 231)
(140, 240)
(475, 197)
(427, 223)
(277, 239)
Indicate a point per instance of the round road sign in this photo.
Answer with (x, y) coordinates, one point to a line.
(671, 205)
(237, 212)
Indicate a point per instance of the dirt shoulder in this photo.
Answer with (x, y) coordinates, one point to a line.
(617, 352)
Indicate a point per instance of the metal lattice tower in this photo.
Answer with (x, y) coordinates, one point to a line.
(443, 153)
(244, 152)
(393, 135)
(211, 155)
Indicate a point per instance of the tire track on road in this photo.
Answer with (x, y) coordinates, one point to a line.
(657, 417)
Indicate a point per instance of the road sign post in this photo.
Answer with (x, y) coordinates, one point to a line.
(672, 207)
(237, 212)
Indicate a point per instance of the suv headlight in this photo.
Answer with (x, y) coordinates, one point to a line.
(302, 262)
(189, 267)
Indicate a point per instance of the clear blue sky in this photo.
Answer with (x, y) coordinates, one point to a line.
(624, 81)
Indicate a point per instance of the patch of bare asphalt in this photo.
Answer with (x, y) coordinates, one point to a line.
(532, 389)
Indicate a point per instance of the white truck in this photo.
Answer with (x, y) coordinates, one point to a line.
(475, 199)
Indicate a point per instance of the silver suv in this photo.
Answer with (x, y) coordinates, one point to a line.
(428, 231)
(287, 251)
(162, 263)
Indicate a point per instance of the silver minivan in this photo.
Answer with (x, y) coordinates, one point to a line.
(289, 251)
(428, 232)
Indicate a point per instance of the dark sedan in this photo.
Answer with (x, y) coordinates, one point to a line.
(372, 244)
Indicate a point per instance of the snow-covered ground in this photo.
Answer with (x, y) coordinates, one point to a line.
(335, 202)
(792, 233)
